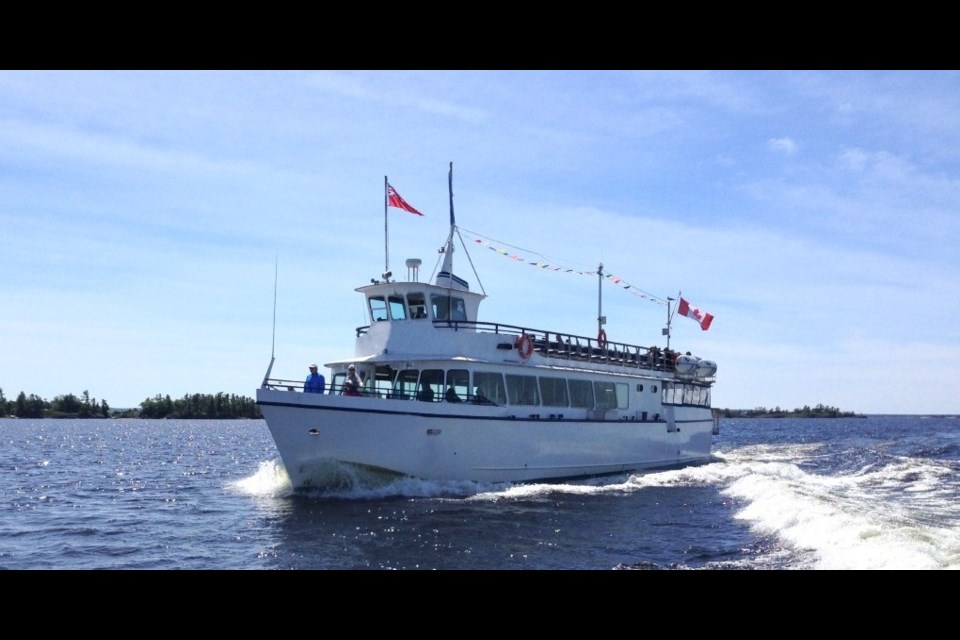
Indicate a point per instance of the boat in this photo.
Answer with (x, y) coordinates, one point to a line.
(448, 396)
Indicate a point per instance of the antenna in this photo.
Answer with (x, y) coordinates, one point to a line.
(413, 269)
(273, 342)
(276, 269)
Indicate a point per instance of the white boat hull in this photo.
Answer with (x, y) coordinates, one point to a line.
(453, 442)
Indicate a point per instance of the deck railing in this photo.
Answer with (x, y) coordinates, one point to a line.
(561, 346)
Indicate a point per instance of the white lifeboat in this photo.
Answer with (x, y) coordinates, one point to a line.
(687, 365)
(706, 368)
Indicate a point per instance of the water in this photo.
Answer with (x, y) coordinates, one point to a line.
(874, 493)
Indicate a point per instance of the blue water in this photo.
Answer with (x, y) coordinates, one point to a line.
(876, 493)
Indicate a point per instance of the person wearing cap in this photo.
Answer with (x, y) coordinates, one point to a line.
(351, 386)
(315, 382)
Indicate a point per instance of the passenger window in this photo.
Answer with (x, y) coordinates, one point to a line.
(554, 392)
(488, 386)
(431, 385)
(522, 390)
(581, 393)
(606, 395)
(458, 383)
(406, 385)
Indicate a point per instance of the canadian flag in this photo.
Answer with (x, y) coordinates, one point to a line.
(700, 316)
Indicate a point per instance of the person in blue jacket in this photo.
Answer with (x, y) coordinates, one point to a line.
(315, 382)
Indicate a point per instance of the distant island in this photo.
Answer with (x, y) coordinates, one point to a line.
(197, 406)
(819, 411)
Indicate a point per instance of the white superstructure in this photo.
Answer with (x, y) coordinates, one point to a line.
(447, 396)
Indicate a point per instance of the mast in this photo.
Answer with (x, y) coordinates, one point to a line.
(447, 267)
(600, 319)
(666, 331)
(453, 222)
(386, 250)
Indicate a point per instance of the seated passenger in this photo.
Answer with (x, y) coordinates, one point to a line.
(452, 395)
(426, 394)
(479, 398)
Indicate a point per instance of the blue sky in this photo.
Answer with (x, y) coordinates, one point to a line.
(815, 214)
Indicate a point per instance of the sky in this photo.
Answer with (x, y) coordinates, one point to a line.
(168, 232)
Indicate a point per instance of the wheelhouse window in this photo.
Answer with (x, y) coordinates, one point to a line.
(417, 303)
(398, 310)
(451, 308)
(378, 308)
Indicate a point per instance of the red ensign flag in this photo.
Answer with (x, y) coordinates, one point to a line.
(702, 317)
(394, 200)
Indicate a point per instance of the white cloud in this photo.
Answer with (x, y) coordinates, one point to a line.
(782, 145)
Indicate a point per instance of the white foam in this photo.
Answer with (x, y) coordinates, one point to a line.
(892, 517)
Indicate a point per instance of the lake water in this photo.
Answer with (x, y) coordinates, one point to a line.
(881, 492)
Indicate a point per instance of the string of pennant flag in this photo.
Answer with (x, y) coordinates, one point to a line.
(540, 262)
(703, 318)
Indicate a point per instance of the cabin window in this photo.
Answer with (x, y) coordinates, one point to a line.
(405, 386)
(451, 308)
(430, 388)
(458, 382)
(623, 395)
(672, 394)
(606, 394)
(378, 308)
(581, 393)
(383, 378)
(418, 305)
(522, 390)
(398, 310)
(554, 392)
(489, 385)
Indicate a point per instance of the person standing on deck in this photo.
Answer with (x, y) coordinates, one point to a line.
(315, 382)
(351, 386)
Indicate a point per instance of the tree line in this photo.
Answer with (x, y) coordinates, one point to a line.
(219, 406)
(819, 411)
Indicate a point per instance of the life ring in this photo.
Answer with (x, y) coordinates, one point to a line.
(602, 339)
(524, 345)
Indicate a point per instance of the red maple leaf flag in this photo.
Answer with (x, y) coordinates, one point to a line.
(394, 200)
(702, 317)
